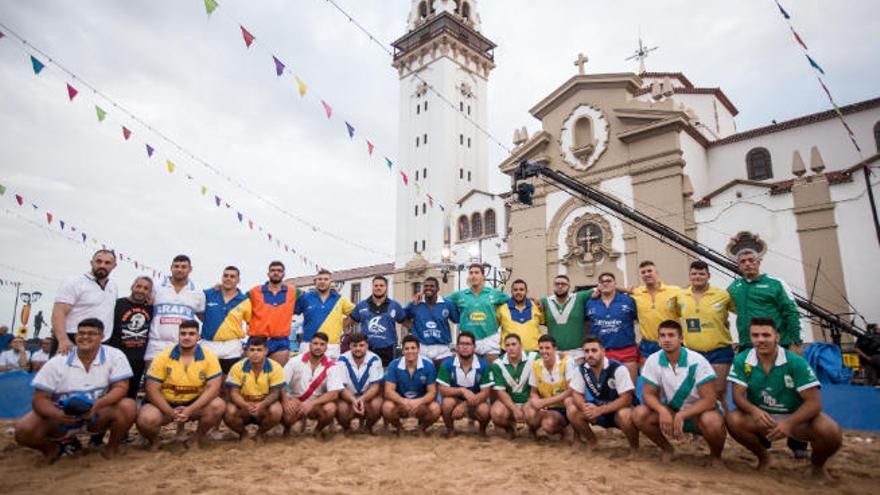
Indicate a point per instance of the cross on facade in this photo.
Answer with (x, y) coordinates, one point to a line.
(580, 62)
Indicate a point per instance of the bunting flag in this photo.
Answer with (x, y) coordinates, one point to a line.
(430, 201)
(251, 224)
(301, 86)
(782, 11)
(19, 199)
(240, 216)
(327, 109)
(798, 38)
(101, 113)
(150, 151)
(203, 190)
(170, 165)
(814, 64)
(270, 235)
(71, 92)
(217, 200)
(248, 37)
(2, 189)
(210, 6)
(404, 177)
(83, 236)
(370, 148)
(48, 218)
(2, 35)
(418, 188)
(279, 66)
(388, 162)
(126, 133)
(38, 66)
(61, 222)
(350, 130)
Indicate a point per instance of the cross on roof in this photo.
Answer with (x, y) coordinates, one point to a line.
(580, 62)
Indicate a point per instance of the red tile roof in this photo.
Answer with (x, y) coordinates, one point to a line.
(673, 75)
(349, 274)
(698, 91)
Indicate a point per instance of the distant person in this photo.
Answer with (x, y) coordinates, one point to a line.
(255, 386)
(175, 300)
(42, 355)
(5, 337)
(131, 328)
(14, 358)
(39, 322)
(411, 389)
(378, 317)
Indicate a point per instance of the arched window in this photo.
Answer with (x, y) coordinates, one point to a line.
(877, 136)
(758, 164)
(476, 225)
(464, 229)
(583, 132)
(423, 10)
(490, 221)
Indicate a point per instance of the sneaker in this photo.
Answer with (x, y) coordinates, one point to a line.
(96, 440)
(69, 447)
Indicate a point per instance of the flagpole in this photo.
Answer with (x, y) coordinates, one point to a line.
(871, 201)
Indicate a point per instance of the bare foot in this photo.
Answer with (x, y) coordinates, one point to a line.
(155, 446)
(633, 453)
(764, 462)
(108, 453)
(450, 433)
(821, 472)
(666, 455)
(715, 462)
(193, 444)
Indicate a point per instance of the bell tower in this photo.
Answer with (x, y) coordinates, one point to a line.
(443, 63)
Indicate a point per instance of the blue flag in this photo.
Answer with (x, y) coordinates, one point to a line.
(782, 11)
(38, 66)
(815, 65)
(350, 130)
(388, 162)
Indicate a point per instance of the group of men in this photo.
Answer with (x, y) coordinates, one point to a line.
(580, 373)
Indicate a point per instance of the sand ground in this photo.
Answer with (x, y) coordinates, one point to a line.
(412, 464)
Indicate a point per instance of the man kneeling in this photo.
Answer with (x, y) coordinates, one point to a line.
(685, 381)
(465, 384)
(182, 385)
(314, 383)
(777, 396)
(362, 395)
(82, 391)
(411, 388)
(602, 394)
(255, 385)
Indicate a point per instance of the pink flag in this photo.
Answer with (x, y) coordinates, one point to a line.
(19, 199)
(126, 133)
(248, 37)
(48, 217)
(430, 201)
(404, 177)
(71, 92)
(370, 148)
(327, 109)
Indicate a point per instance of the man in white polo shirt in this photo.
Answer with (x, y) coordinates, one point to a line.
(175, 300)
(362, 376)
(313, 382)
(84, 390)
(91, 295)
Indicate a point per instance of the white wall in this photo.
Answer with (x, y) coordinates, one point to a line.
(696, 165)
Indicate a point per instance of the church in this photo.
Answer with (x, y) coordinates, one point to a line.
(793, 190)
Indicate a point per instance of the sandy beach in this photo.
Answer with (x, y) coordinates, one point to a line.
(387, 464)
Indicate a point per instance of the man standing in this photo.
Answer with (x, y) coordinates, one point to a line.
(362, 377)
(183, 384)
(465, 385)
(612, 317)
(14, 358)
(84, 390)
(175, 300)
(41, 356)
(777, 396)
(222, 330)
(652, 304)
(521, 316)
(313, 382)
(679, 396)
(411, 389)
(324, 311)
(477, 307)
(549, 389)
(565, 318)
(510, 376)
(602, 395)
(378, 317)
(429, 322)
(131, 328)
(255, 386)
(269, 310)
(91, 295)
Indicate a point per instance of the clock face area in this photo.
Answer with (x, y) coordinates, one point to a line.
(583, 137)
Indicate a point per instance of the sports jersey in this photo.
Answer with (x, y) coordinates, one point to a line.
(182, 383)
(305, 383)
(431, 322)
(514, 379)
(270, 314)
(613, 324)
(9, 357)
(323, 316)
(777, 392)
(357, 379)
(131, 328)
(525, 322)
(477, 312)
(565, 322)
(478, 377)
(551, 383)
(765, 297)
(678, 385)
(170, 309)
(705, 323)
(254, 387)
(64, 376)
(654, 310)
(379, 323)
(39, 356)
(217, 325)
(415, 386)
(87, 299)
(612, 382)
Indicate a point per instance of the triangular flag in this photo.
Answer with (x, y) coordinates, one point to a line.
(270, 235)
(279, 66)
(226, 205)
(240, 217)
(71, 92)
(387, 161)
(101, 113)
(418, 188)
(301, 86)
(83, 236)
(815, 65)
(430, 201)
(251, 224)
(798, 38)
(782, 11)
(150, 151)
(370, 148)
(61, 222)
(204, 190)
(170, 166)
(441, 207)
(135, 264)
(2, 189)
(126, 133)
(825, 88)
(210, 6)
(285, 248)
(404, 177)
(38, 66)
(48, 217)
(248, 37)
(1, 34)
(19, 199)
(350, 130)
(327, 109)
(851, 138)
(217, 200)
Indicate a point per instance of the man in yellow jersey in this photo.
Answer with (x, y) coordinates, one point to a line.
(652, 305)
(183, 384)
(255, 385)
(324, 311)
(549, 389)
(703, 310)
(521, 316)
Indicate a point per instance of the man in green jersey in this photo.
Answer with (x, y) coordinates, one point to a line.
(777, 396)
(564, 317)
(511, 377)
(477, 305)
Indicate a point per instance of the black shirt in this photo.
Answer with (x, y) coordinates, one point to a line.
(131, 328)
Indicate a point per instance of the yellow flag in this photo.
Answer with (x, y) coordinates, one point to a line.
(204, 190)
(170, 166)
(301, 85)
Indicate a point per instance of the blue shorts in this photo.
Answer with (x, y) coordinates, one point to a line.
(722, 355)
(276, 344)
(560, 410)
(606, 421)
(648, 347)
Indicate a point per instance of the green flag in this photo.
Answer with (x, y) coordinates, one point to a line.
(101, 113)
(210, 6)
(2, 189)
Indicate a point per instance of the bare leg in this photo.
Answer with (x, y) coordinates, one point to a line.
(721, 372)
(481, 414)
(711, 425)
(624, 420)
(427, 415)
(648, 422)
(149, 421)
(280, 357)
(36, 432)
(269, 419)
(747, 432)
(825, 437)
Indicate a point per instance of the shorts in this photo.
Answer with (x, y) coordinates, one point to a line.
(223, 349)
(625, 355)
(332, 350)
(435, 352)
(606, 421)
(276, 344)
(251, 420)
(227, 364)
(573, 353)
(561, 410)
(648, 347)
(722, 355)
(490, 345)
(386, 354)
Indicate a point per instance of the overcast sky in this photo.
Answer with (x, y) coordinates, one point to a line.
(191, 78)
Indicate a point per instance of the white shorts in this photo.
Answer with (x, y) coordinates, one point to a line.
(489, 345)
(573, 353)
(224, 349)
(332, 350)
(435, 352)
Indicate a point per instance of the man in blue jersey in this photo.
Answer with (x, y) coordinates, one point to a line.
(429, 321)
(378, 317)
(411, 388)
(324, 311)
(465, 384)
(612, 318)
(362, 377)
(219, 301)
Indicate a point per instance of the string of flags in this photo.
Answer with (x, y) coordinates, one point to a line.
(281, 68)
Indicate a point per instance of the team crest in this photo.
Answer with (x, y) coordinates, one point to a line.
(789, 381)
